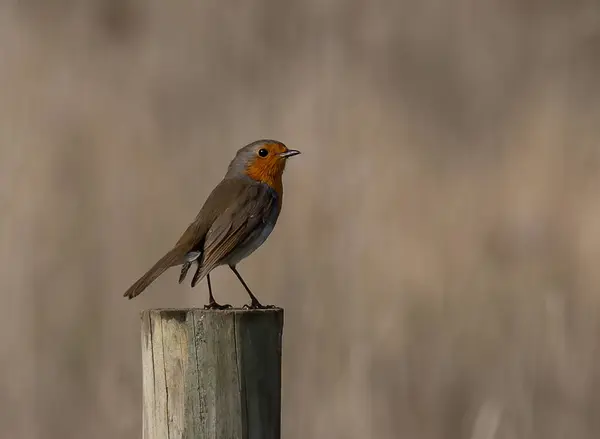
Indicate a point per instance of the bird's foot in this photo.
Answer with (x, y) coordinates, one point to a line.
(215, 305)
(257, 305)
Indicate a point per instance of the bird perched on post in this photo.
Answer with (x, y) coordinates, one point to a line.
(236, 219)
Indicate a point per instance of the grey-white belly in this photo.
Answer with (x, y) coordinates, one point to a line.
(256, 240)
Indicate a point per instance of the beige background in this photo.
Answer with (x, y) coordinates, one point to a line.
(438, 252)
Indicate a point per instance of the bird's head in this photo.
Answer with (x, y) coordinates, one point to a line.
(263, 160)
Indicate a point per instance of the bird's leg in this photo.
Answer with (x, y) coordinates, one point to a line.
(212, 304)
(255, 303)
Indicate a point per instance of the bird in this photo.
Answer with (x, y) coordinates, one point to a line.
(236, 219)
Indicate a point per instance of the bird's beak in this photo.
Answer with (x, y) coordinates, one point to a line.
(289, 153)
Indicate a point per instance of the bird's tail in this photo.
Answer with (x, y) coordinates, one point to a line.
(169, 260)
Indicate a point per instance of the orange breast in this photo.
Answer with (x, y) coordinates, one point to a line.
(268, 172)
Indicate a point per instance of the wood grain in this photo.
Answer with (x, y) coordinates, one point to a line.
(212, 374)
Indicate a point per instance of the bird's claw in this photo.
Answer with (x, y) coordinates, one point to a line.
(215, 305)
(258, 305)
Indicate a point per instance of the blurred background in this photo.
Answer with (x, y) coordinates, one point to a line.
(438, 250)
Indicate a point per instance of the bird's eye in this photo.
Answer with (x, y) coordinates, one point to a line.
(263, 152)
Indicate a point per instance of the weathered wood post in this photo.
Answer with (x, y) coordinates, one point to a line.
(210, 374)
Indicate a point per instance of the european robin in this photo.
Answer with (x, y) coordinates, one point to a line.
(237, 217)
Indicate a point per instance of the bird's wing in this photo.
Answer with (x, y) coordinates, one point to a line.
(222, 196)
(237, 223)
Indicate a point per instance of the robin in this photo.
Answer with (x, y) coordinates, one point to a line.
(237, 217)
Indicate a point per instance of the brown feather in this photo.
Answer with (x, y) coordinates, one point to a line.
(233, 230)
(172, 258)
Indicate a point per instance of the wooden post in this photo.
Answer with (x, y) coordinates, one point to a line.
(212, 374)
